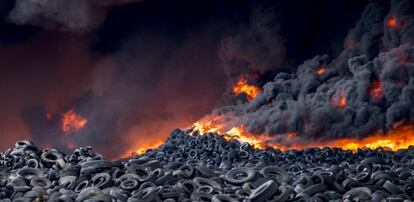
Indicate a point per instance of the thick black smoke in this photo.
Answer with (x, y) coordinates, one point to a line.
(138, 69)
(151, 84)
(369, 87)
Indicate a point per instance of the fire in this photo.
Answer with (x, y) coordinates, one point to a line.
(144, 148)
(259, 141)
(72, 121)
(238, 133)
(392, 22)
(398, 138)
(243, 87)
(375, 91)
(141, 149)
(320, 70)
(340, 101)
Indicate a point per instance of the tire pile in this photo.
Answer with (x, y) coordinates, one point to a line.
(207, 168)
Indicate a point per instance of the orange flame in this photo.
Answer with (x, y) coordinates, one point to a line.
(320, 70)
(242, 87)
(342, 102)
(398, 138)
(401, 136)
(141, 148)
(72, 121)
(238, 133)
(339, 101)
(144, 148)
(375, 91)
(392, 21)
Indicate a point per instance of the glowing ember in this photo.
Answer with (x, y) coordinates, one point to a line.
(72, 122)
(242, 87)
(375, 91)
(320, 70)
(339, 101)
(342, 102)
(392, 22)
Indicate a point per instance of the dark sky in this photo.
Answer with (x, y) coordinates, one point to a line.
(308, 27)
(142, 68)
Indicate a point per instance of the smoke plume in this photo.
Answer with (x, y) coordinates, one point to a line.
(150, 85)
(367, 88)
(124, 73)
(135, 96)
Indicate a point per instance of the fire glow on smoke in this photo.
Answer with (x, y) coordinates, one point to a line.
(320, 70)
(71, 121)
(395, 139)
(340, 100)
(376, 90)
(362, 98)
(392, 22)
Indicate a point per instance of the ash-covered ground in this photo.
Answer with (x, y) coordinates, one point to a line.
(193, 167)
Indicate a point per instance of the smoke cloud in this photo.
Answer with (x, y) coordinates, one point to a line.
(135, 96)
(367, 88)
(73, 15)
(136, 70)
(150, 85)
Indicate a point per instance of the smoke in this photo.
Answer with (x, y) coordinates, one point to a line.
(150, 85)
(150, 93)
(367, 88)
(135, 71)
(139, 91)
(46, 71)
(72, 15)
(256, 47)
